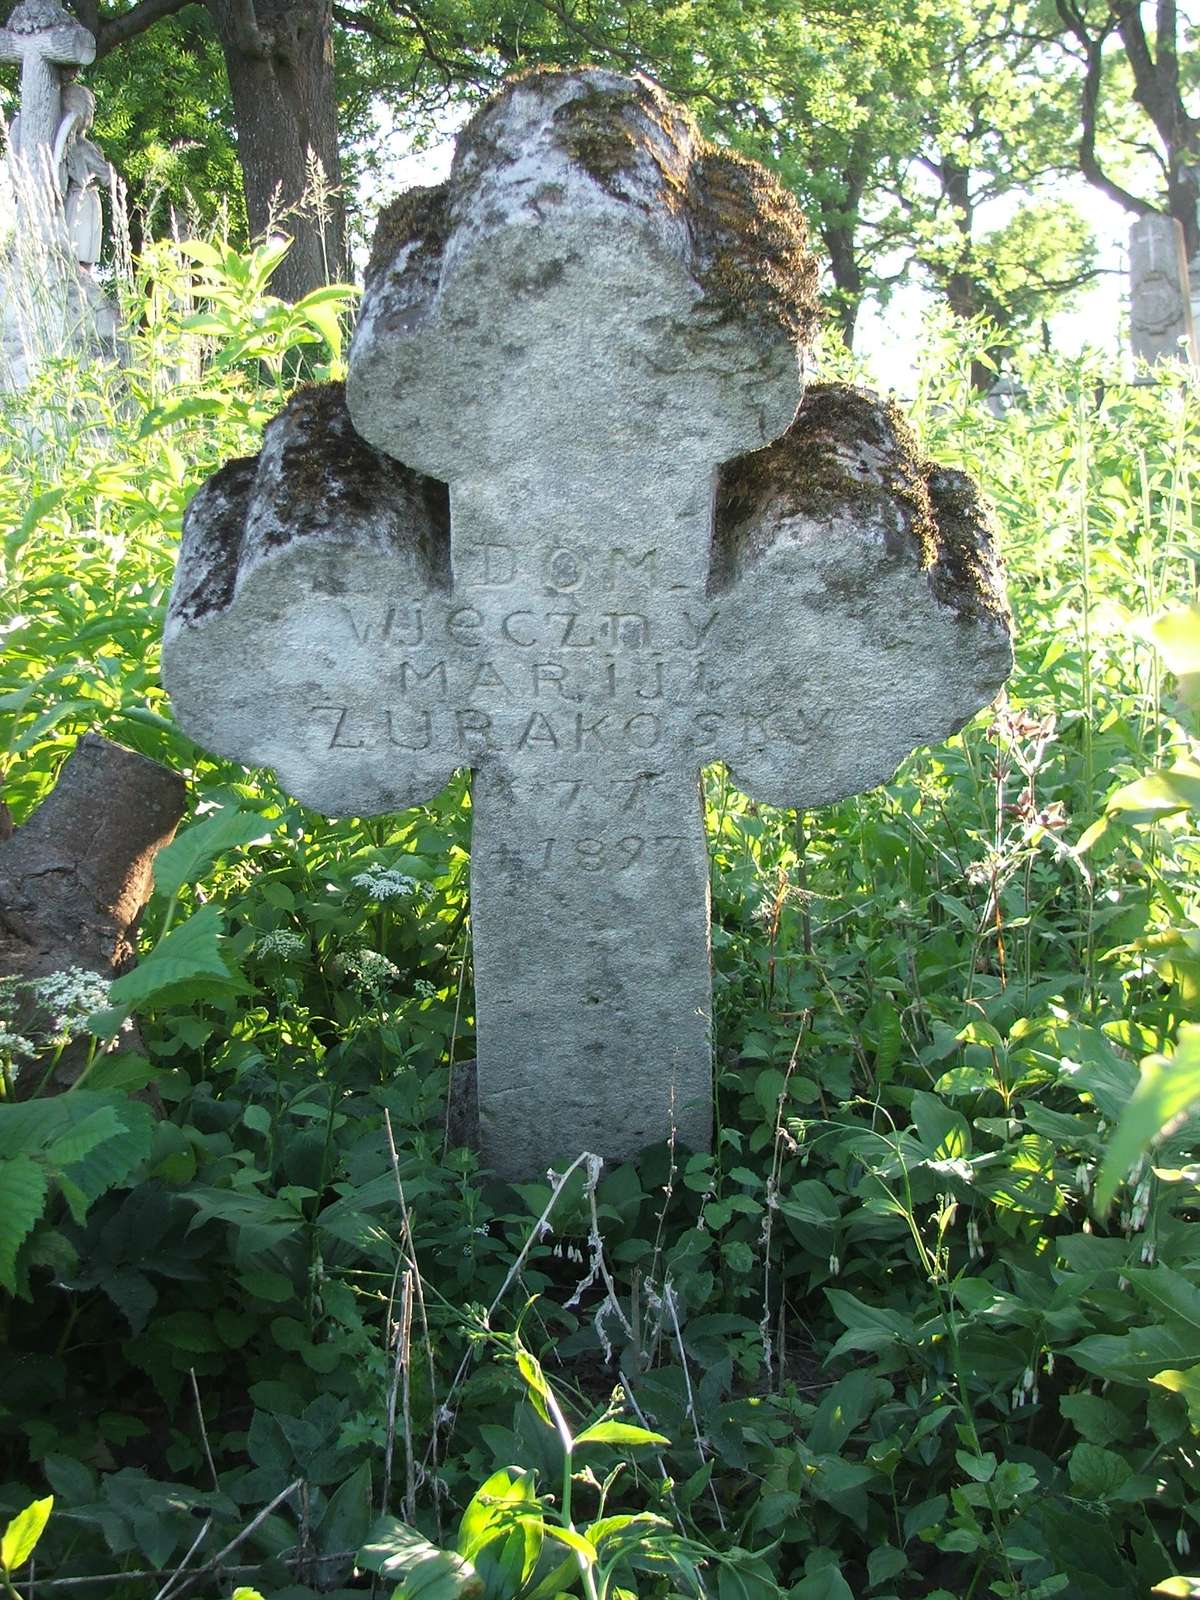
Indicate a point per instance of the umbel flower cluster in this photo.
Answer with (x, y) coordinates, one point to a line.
(368, 970)
(283, 944)
(385, 883)
(62, 1003)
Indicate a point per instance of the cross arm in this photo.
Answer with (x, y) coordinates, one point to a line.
(868, 578)
(288, 559)
(43, 29)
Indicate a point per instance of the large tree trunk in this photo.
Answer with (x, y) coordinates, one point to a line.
(279, 57)
(75, 878)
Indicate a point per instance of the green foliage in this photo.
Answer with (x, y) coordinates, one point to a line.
(21, 1536)
(883, 1340)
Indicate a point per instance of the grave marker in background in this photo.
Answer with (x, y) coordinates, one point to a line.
(592, 317)
(49, 300)
(1160, 309)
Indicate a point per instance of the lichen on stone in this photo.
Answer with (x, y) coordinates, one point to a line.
(421, 214)
(331, 478)
(214, 526)
(817, 471)
(592, 130)
(751, 241)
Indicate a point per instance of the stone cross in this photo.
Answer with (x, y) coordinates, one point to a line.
(1160, 309)
(568, 528)
(44, 38)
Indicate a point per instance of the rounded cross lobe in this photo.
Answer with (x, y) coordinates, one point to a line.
(593, 275)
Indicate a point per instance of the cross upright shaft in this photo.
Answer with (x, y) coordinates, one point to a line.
(595, 315)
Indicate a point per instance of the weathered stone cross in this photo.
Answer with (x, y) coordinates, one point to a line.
(44, 38)
(596, 313)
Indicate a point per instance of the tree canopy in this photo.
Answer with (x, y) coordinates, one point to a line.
(927, 143)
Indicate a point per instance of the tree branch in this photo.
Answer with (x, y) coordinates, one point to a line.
(1089, 165)
(113, 31)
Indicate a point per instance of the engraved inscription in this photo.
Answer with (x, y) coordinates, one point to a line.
(464, 731)
(607, 855)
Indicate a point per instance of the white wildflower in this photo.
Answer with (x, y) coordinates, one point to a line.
(424, 990)
(1182, 1543)
(835, 1265)
(70, 996)
(974, 1242)
(385, 883)
(15, 1044)
(284, 944)
(368, 970)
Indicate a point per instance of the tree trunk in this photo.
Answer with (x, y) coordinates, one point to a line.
(279, 57)
(75, 878)
(847, 277)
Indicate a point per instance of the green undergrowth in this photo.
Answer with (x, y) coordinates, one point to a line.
(267, 1325)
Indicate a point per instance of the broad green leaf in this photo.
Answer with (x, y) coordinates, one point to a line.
(943, 1131)
(190, 951)
(395, 1550)
(23, 1533)
(1159, 794)
(506, 1560)
(535, 1382)
(1185, 1384)
(555, 1582)
(444, 1576)
(618, 1433)
(1168, 1086)
(1167, 1292)
(22, 1195)
(188, 856)
(884, 1562)
(494, 1516)
(1177, 635)
(1097, 1473)
(871, 1328)
(1136, 1356)
(575, 1541)
(982, 1468)
(348, 1514)
(1098, 1420)
(79, 1141)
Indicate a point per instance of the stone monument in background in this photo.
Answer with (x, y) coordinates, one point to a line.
(51, 300)
(576, 525)
(1160, 308)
